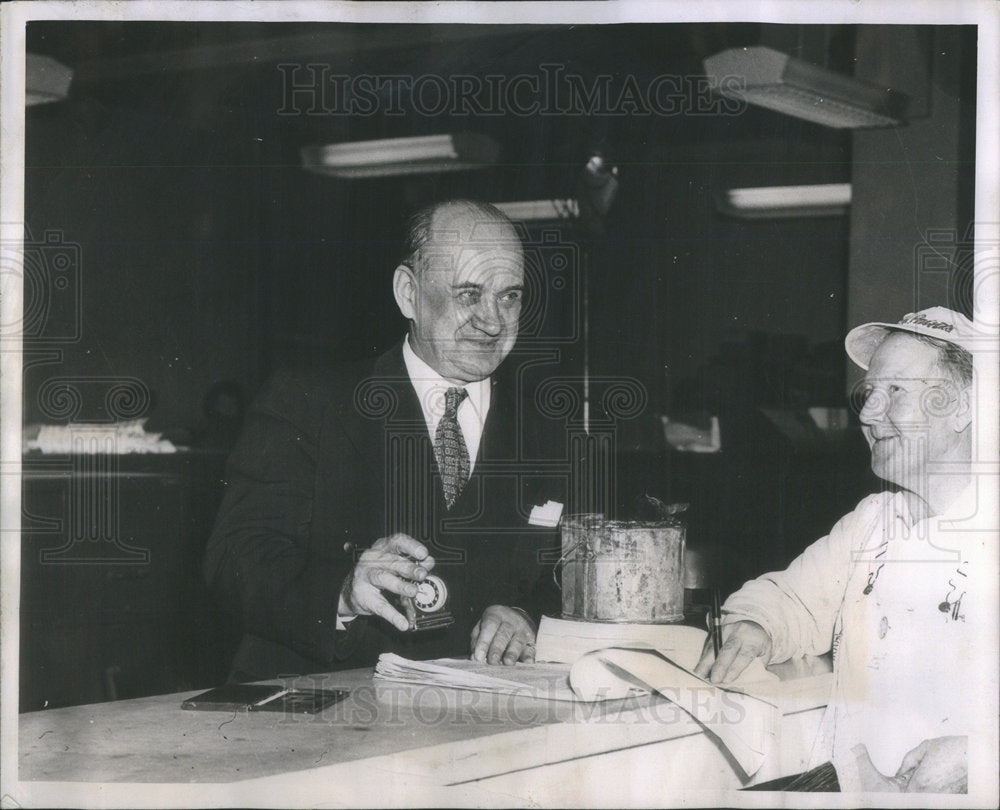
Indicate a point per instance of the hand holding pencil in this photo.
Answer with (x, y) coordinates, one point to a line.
(729, 650)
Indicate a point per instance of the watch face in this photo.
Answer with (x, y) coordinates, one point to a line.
(431, 594)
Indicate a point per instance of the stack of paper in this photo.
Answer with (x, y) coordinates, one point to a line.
(565, 641)
(548, 681)
(117, 438)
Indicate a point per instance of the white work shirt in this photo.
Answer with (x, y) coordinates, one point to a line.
(431, 386)
(904, 670)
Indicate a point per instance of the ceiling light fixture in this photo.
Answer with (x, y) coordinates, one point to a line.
(45, 80)
(395, 156)
(770, 202)
(540, 210)
(771, 79)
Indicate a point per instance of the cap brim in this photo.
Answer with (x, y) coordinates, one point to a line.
(862, 341)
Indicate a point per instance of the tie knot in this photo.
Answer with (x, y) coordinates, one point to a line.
(452, 399)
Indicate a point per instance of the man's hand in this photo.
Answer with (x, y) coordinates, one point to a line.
(392, 564)
(940, 765)
(742, 642)
(503, 635)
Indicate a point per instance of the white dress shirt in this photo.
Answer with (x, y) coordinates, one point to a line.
(431, 386)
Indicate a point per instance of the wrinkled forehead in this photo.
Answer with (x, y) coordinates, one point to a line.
(903, 357)
(473, 250)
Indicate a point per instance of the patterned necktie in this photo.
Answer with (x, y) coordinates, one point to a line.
(449, 447)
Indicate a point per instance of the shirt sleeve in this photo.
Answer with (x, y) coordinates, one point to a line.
(798, 607)
(343, 621)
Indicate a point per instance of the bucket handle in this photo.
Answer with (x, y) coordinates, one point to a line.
(588, 554)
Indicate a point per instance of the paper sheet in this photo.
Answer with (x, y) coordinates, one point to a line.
(566, 641)
(746, 725)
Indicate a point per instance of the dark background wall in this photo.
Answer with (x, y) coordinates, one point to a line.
(164, 218)
(911, 242)
(208, 254)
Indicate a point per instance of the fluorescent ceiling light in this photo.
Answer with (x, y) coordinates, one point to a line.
(540, 210)
(829, 199)
(45, 80)
(392, 156)
(771, 79)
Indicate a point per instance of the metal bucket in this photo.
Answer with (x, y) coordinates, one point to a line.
(622, 571)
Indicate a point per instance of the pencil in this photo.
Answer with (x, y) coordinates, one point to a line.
(282, 693)
(716, 622)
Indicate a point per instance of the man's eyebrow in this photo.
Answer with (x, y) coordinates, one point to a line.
(471, 285)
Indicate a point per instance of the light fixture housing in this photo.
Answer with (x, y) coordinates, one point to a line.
(775, 202)
(769, 78)
(397, 156)
(45, 80)
(540, 210)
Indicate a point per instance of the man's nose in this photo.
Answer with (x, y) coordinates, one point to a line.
(486, 317)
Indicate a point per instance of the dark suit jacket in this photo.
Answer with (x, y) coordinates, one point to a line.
(330, 461)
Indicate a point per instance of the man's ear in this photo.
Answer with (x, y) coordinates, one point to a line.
(962, 417)
(404, 289)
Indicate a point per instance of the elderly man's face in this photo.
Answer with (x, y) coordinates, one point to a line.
(911, 416)
(465, 301)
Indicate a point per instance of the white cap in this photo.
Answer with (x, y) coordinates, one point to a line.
(937, 322)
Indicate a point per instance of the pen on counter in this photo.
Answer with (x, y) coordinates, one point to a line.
(280, 694)
(716, 622)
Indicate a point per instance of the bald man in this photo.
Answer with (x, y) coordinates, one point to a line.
(361, 488)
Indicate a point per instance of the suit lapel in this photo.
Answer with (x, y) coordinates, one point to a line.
(498, 445)
(405, 452)
(390, 370)
(381, 403)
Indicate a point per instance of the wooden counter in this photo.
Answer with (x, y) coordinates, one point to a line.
(385, 736)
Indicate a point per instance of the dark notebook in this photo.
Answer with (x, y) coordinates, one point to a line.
(267, 698)
(232, 696)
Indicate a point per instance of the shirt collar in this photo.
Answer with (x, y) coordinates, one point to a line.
(957, 509)
(430, 387)
(952, 530)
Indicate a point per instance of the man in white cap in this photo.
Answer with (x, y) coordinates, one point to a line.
(894, 591)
